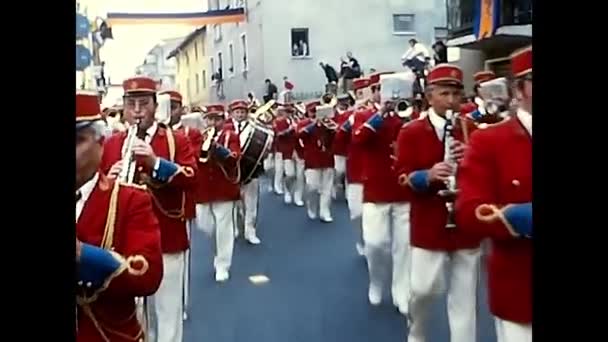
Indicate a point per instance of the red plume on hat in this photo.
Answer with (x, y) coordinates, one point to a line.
(288, 85)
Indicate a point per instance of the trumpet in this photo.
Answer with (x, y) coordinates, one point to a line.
(207, 145)
(127, 173)
(328, 123)
(451, 188)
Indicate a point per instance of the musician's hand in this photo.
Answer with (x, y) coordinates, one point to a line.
(143, 149)
(115, 170)
(440, 171)
(458, 149)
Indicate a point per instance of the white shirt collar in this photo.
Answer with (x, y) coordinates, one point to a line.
(438, 123)
(151, 131)
(85, 191)
(525, 118)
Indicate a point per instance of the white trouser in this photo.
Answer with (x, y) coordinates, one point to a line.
(340, 171)
(219, 218)
(284, 174)
(168, 304)
(354, 199)
(428, 281)
(298, 192)
(269, 171)
(319, 184)
(190, 224)
(386, 234)
(249, 195)
(507, 331)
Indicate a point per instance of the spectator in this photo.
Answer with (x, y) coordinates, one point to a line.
(271, 91)
(330, 72)
(286, 95)
(303, 48)
(440, 52)
(354, 65)
(416, 56)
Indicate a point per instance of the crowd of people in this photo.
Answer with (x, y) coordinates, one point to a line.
(425, 185)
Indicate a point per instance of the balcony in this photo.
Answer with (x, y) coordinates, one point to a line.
(461, 17)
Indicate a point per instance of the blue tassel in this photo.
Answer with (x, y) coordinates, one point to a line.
(375, 121)
(95, 266)
(222, 152)
(419, 180)
(164, 171)
(520, 218)
(310, 128)
(347, 126)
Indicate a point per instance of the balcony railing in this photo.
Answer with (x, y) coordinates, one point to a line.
(461, 15)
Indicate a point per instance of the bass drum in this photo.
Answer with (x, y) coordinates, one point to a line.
(256, 142)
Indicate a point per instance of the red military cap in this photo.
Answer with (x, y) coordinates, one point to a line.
(238, 104)
(87, 108)
(215, 109)
(521, 62)
(360, 83)
(138, 85)
(174, 95)
(375, 77)
(483, 76)
(446, 74)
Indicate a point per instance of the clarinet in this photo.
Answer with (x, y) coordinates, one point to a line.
(451, 189)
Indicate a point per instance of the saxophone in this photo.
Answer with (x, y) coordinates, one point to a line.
(451, 188)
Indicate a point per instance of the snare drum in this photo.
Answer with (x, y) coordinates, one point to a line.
(256, 142)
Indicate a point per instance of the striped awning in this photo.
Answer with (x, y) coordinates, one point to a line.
(236, 15)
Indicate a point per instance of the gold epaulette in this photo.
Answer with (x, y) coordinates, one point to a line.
(142, 187)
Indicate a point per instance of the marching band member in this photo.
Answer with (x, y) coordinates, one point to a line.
(340, 147)
(354, 174)
(498, 205)
(166, 165)
(118, 252)
(437, 247)
(196, 140)
(317, 135)
(386, 205)
(218, 190)
(479, 78)
(284, 165)
(299, 185)
(249, 191)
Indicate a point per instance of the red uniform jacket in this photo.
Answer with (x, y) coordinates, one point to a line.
(340, 145)
(419, 148)
(497, 170)
(136, 233)
(285, 136)
(299, 142)
(355, 157)
(379, 177)
(196, 140)
(217, 179)
(317, 145)
(169, 199)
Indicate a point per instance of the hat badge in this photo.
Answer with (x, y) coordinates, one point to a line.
(454, 73)
(133, 85)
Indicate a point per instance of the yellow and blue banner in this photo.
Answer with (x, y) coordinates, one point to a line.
(487, 18)
(198, 19)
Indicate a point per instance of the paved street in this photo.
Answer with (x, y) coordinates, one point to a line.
(317, 290)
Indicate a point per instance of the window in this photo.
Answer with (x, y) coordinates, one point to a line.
(231, 58)
(212, 64)
(188, 87)
(204, 79)
(214, 5)
(220, 67)
(404, 24)
(244, 49)
(196, 51)
(217, 30)
(187, 59)
(197, 86)
(300, 46)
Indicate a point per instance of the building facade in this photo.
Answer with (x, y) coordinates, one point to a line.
(289, 39)
(513, 31)
(158, 66)
(193, 75)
